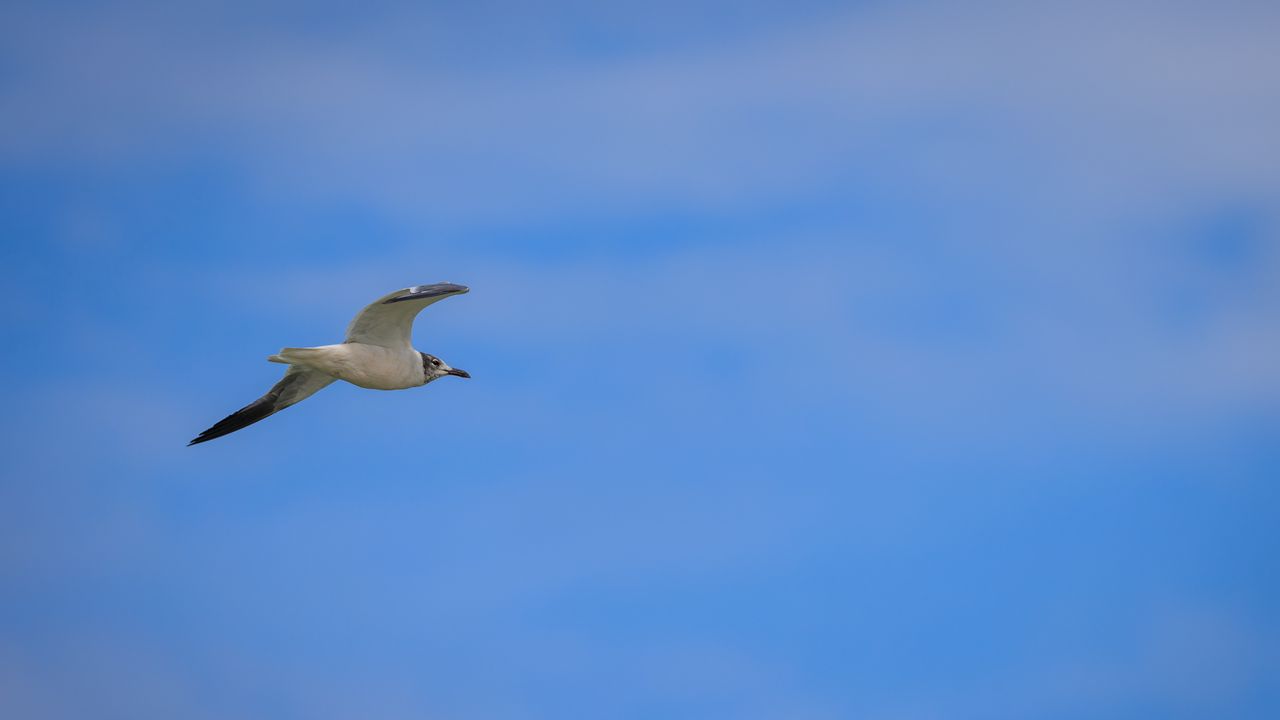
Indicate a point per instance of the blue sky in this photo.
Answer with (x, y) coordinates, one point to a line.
(859, 360)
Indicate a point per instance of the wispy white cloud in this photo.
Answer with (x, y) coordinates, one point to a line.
(1096, 107)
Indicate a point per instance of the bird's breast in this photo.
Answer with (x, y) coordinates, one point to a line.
(380, 368)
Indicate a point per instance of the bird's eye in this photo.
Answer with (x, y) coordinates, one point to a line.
(435, 362)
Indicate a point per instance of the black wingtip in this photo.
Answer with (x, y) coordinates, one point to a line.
(263, 407)
(208, 435)
(244, 417)
(422, 292)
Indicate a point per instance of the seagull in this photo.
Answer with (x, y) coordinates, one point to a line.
(377, 354)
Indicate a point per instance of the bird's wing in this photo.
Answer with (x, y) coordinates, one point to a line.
(388, 322)
(297, 385)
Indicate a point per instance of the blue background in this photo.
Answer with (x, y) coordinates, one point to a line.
(861, 360)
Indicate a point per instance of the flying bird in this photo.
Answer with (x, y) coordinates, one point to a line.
(378, 354)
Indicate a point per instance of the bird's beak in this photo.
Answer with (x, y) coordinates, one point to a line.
(459, 373)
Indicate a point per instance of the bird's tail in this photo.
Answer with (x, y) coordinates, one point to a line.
(292, 356)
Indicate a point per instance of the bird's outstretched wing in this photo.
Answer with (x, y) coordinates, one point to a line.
(388, 322)
(297, 385)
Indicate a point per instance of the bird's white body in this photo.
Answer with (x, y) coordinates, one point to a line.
(368, 366)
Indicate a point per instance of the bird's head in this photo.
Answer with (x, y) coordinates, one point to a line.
(433, 368)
